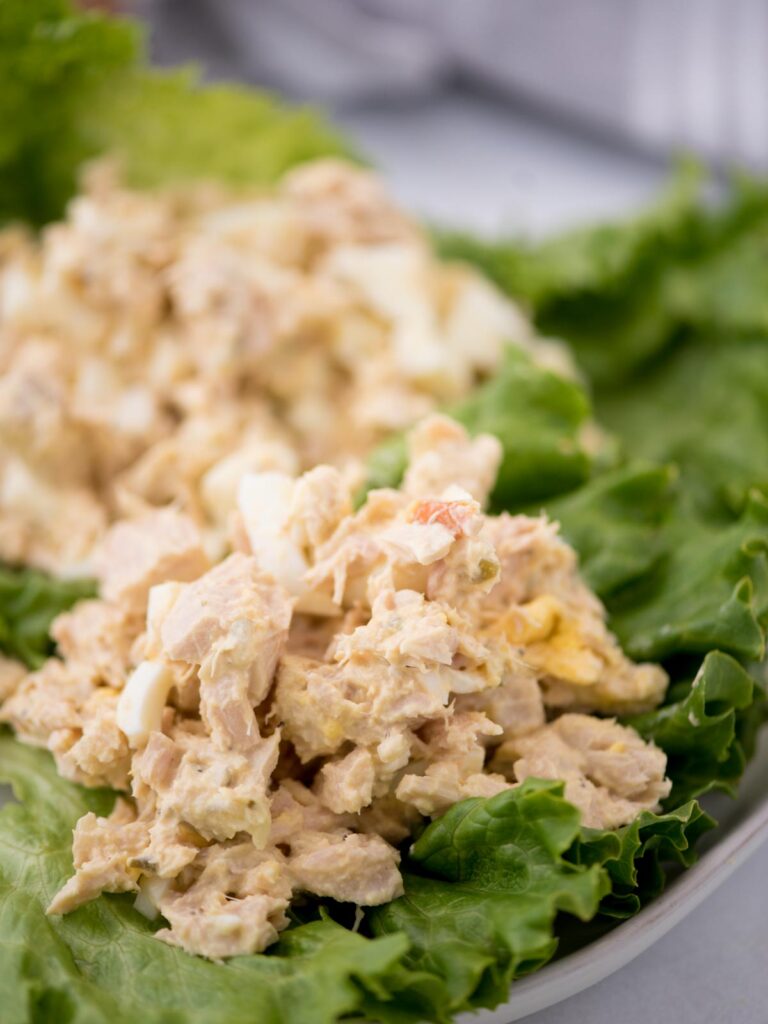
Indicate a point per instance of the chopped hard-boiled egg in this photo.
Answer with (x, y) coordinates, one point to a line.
(264, 500)
(151, 891)
(219, 485)
(160, 600)
(140, 707)
(24, 492)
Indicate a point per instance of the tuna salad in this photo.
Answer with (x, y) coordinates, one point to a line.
(362, 646)
(156, 347)
(281, 719)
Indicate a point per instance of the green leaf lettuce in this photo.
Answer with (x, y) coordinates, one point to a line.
(709, 591)
(698, 727)
(502, 860)
(101, 964)
(635, 856)
(29, 602)
(616, 523)
(537, 415)
(73, 85)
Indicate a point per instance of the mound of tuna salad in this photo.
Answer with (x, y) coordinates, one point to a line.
(154, 347)
(280, 719)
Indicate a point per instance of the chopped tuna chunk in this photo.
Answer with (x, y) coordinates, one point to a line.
(232, 622)
(610, 773)
(219, 793)
(11, 674)
(452, 754)
(442, 455)
(235, 906)
(347, 784)
(137, 554)
(355, 868)
(96, 638)
(103, 849)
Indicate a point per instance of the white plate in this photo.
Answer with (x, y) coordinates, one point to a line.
(743, 827)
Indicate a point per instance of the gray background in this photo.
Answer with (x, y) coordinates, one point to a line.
(657, 73)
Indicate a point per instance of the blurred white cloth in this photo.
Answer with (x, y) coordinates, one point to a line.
(663, 74)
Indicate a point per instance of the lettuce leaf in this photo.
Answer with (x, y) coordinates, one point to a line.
(168, 127)
(718, 437)
(29, 602)
(714, 267)
(624, 293)
(482, 880)
(483, 885)
(709, 591)
(699, 727)
(616, 523)
(598, 260)
(73, 84)
(101, 963)
(635, 856)
(53, 66)
(537, 415)
(603, 288)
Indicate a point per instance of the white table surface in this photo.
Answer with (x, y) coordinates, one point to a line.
(467, 162)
